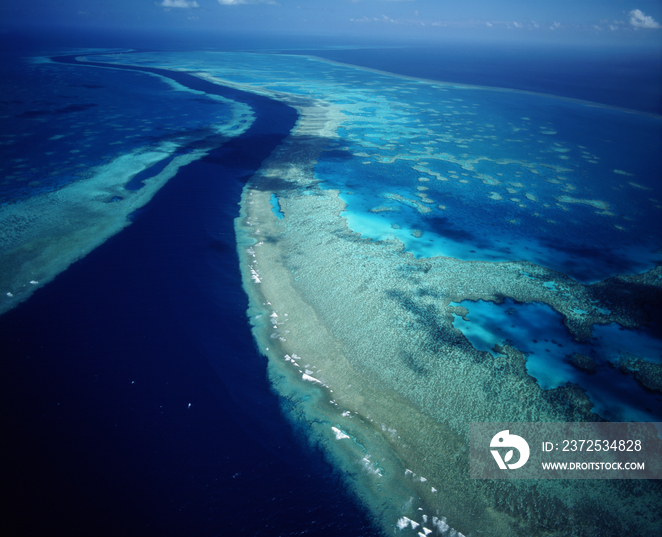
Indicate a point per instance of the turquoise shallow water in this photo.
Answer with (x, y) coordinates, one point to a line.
(538, 331)
(275, 207)
(503, 176)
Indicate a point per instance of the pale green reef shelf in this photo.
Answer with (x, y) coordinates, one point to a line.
(359, 332)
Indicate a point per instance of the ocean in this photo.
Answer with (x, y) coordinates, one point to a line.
(609, 75)
(345, 209)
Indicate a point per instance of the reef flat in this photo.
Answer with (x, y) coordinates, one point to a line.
(356, 309)
(363, 350)
(44, 234)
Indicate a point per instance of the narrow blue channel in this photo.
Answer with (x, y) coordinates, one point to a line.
(134, 399)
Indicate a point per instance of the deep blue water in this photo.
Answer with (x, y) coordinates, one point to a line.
(613, 76)
(134, 400)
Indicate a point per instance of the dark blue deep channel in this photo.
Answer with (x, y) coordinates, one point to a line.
(134, 401)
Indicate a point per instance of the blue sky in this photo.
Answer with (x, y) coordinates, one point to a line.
(599, 20)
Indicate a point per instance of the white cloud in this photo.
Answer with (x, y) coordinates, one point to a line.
(179, 3)
(555, 26)
(639, 20)
(237, 2)
(517, 25)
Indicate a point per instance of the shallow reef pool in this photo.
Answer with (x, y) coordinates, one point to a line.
(554, 357)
